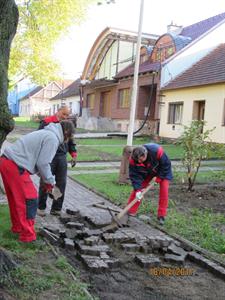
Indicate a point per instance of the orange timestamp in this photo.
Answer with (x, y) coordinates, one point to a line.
(165, 271)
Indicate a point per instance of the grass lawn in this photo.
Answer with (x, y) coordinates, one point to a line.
(112, 149)
(25, 122)
(190, 226)
(39, 272)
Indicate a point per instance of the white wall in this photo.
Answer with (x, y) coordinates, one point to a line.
(214, 97)
(191, 54)
(72, 102)
(24, 108)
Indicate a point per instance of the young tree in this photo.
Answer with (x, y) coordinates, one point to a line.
(8, 25)
(197, 145)
(41, 24)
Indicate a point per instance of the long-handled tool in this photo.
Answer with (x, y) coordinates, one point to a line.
(116, 218)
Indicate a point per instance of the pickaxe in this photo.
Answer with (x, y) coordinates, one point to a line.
(116, 219)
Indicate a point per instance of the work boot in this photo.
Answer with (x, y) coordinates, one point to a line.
(161, 220)
(41, 212)
(55, 212)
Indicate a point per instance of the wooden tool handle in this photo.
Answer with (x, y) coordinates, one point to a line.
(135, 200)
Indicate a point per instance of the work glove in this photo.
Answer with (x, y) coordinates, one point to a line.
(73, 162)
(158, 180)
(48, 187)
(139, 195)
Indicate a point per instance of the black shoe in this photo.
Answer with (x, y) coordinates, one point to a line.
(55, 212)
(161, 220)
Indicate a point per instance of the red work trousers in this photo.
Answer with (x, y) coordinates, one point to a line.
(22, 198)
(163, 197)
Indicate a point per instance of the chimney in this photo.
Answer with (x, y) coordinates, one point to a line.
(173, 28)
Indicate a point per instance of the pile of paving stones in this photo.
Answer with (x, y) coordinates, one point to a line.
(98, 250)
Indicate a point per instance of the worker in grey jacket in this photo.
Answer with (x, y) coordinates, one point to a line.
(31, 154)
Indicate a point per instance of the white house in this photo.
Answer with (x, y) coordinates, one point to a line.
(69, 96)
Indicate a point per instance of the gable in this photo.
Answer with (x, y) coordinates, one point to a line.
(191, 54)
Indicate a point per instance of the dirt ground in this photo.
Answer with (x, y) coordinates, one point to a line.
(210, 196)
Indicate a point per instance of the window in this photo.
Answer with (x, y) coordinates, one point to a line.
(124, 98)
(91, 101)
(175, 113)
(169, 51)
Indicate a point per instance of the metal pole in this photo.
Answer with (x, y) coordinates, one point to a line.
(135, 82)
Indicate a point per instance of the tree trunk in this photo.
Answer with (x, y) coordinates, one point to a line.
(8, 23)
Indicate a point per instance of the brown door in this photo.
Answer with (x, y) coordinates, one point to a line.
(199, 111)
(105, 105)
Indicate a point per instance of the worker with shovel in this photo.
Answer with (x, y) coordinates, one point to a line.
(31, 154)
(147, 162)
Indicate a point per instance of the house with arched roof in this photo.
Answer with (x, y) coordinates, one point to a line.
(108, 76)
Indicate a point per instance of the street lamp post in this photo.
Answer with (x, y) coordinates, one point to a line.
(124, 176)
(135, 82)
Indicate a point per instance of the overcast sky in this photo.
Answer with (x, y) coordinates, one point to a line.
(73, 50)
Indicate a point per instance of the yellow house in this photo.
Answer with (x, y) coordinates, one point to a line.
(197, 94)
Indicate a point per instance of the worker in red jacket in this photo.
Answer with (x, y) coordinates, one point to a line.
(147, 162)
(58, 165)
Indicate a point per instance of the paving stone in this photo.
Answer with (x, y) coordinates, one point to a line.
(76, 225)
(62, 233)
(202, 261)
(93, 240)
(154, 244)
(104, 255)
(73, 212)
(176, 250)
(196, 257)
(174, 258)
(90, 232)
(113, 262)
(130, 247)
(108, 238)
(147, 261)
(118, 237)
(69, 244)
(92, 250)
(98, 221)
(141, 240)
(71, 233)
(94, 263)
(163, 241)
(65, 218)
(145, 248)
(217, 270)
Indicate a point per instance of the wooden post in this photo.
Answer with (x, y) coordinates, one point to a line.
(124, 167)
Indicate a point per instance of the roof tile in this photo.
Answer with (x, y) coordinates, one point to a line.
(210, 69)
